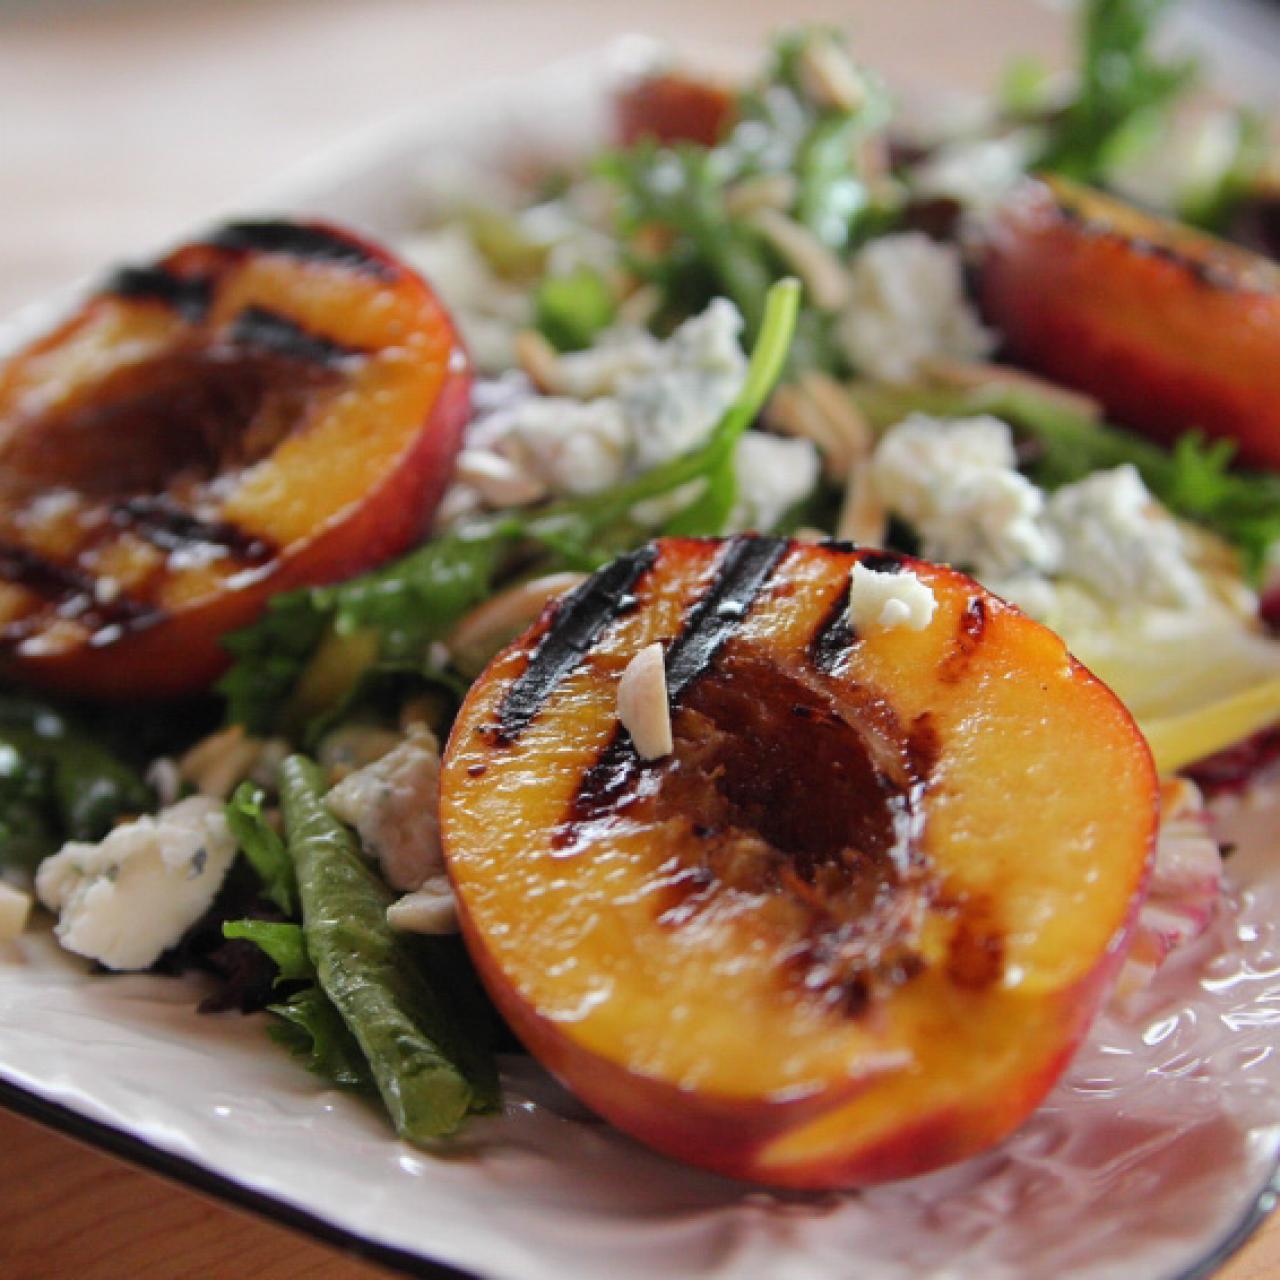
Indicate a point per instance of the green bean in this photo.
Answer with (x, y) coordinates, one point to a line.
(428, 1074)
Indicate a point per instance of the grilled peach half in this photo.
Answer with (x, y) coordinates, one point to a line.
(1169, 328)
(852, 927)
(275, 405)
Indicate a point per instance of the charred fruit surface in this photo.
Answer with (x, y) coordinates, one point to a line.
(1170, 329)
(852, 927)
(278, 404)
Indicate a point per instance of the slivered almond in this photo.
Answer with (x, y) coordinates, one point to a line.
(642, 703)
(863, 518)
(838, 407)
(217, 763)
(829, 76)
(765, 191)
(540, 361)
(15, 907)
(979, 373)
(820, 271)
(640, 306)
(432, 909)
(791, 412)
(479, 634)
(498, 480)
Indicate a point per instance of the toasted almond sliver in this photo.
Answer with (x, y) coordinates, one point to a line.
(642, 703)
(640, 306)
(765, 191)
(829, 77)
(791, 412)
(15, 908)
(979, 373)
(821, 272)
(540, 361)
(498, 480)
(216, 763)
(479, 634)
(432, 909)
(863, 518)
(839, 409)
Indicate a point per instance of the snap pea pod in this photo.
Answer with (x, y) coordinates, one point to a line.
(428, 1074)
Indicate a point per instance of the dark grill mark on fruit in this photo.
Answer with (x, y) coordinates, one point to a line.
(258, 329)
(744, 567)
(67, 590)
(167, 525)
(305, 242)
(188, 296)
(580, 620)
(743, 570)
(835, 635)
(969, 633)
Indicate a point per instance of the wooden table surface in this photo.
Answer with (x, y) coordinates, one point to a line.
(121, 124)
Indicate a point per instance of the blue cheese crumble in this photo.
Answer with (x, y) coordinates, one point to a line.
(131, 896)
(880, 601)
(906, 304)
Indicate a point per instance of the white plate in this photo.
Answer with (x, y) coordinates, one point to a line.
(1153, 1158)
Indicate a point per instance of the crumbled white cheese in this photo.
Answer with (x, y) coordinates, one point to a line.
(976, 172)
(643, 707)
(1118, 540)
(394, 805)
(133, 895)
(569, 446)
(957, 485)
(15, 907)
(430, 909)
(623, 406)
(881, 601)
(906, 304)
(774, 474)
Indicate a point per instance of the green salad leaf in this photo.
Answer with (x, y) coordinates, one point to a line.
(312, 1030)
(1124, 89)
(282, 941)
(262, 847)
(787, 128)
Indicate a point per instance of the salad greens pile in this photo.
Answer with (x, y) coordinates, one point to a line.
(677, 219)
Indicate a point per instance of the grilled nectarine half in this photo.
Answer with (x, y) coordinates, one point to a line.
(275, 405)
(853, 925)
(1169, 328)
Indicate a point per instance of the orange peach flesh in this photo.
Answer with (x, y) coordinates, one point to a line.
(328, 470)
(693, 1030)
(1169, 329)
